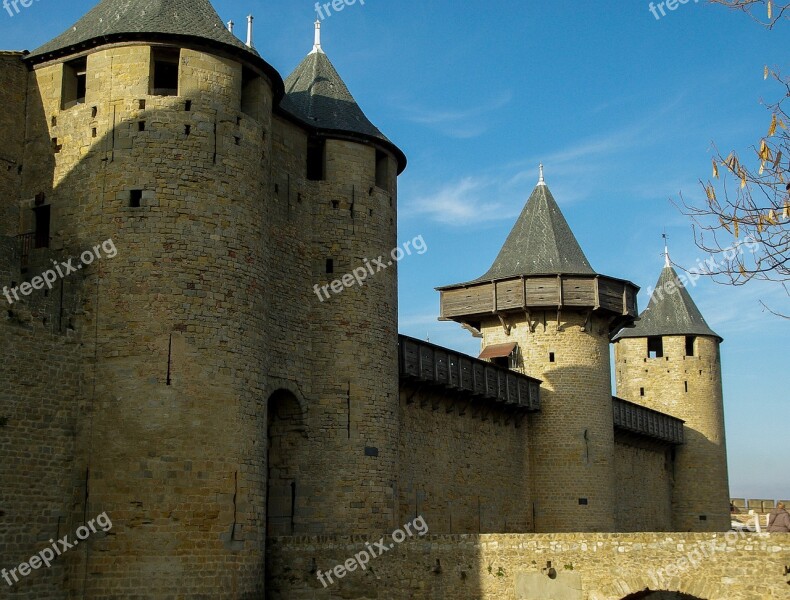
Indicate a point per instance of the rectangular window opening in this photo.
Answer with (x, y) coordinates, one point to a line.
(164, 71)
(75, 78)
(551, 357)
(135, 198)
(382, 170)
(690, 339)
(43, 219)
(655, 347)
(686, 385)
(641, 391)
(141, 126)
(330, 266)
(316, 159)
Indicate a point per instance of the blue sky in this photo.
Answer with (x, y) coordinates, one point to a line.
(620, 107)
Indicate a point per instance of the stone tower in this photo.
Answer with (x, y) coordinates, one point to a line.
(335, 210)
(147, 126)
(543, 310)
(670, 362)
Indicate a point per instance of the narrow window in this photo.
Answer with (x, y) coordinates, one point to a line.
(655, 347)
(188, 106)
(330, 266)
(135, 198)
(690, 339)
(316, 159)
(141, 126)
(551, 357)
(42, 214)
(686, 384)
(382, 170)
(141, 104)
(74, 82)
(641, 391)
(164, 71)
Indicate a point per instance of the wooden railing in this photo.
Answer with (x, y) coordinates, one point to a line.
(639, 420)
(427, 363)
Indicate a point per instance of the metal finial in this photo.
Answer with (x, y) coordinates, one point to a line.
(317, 44)
(230, 26)
(249, 31)
(667, 262)
(541, 180)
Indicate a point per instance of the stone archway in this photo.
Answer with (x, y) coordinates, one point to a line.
(660, 595)
(286, 432)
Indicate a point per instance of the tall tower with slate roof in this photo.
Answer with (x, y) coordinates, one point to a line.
(542, 309)
(670, 362)
(216, 397)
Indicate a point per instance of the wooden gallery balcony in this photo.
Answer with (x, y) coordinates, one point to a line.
(633, 422)
(466, 378)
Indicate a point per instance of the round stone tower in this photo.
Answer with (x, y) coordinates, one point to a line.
(541, 309)
(156, 119)
(670, 362)
(334, 216)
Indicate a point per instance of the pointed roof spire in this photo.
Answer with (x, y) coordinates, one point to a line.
(118, 20)
(671, 311)
(316, 95)
(540, 243)
(541, 180)
(317, 44)
(667, 262)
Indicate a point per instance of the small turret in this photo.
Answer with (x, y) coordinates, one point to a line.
(542, 293)
(670, 362)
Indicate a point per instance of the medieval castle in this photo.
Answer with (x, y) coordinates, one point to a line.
(186, 381)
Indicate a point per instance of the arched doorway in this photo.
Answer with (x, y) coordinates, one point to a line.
(286, 433)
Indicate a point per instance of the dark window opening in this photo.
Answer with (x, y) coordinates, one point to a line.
(54, 121)
(501, 361)
(686, 385)
(382, 170)
(655, 347)
(135, 198)
(703, 517)
(316, 159)
(330, 266)
(188, 106)
(75, 78)
(94, 132)
(335, 204)
(56, 147)
(237, 139)
(141, 104)
(551, 357)
(583, 502)
(141, 126)
(251, 93)
(641, 391)
(187, 129)
(43, 218)
(94, 112)
(164, 71)
(690, 339)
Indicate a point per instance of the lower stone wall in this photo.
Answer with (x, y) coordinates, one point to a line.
(708, 566)
(40, 391)
(644, 488)
(463, 469)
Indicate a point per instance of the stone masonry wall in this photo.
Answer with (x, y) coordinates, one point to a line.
(462, 470)
(174, 449)
(644, 488)
(571, 438)
(689, 388)
(41, 401)
(13, 74)
(514, 567)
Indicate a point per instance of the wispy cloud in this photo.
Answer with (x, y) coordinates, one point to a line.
(463, 123)
(461, 202)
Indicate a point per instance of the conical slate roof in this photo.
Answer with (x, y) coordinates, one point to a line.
(671, 311)
(540, 243)
(112, 20)
(316, 95)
